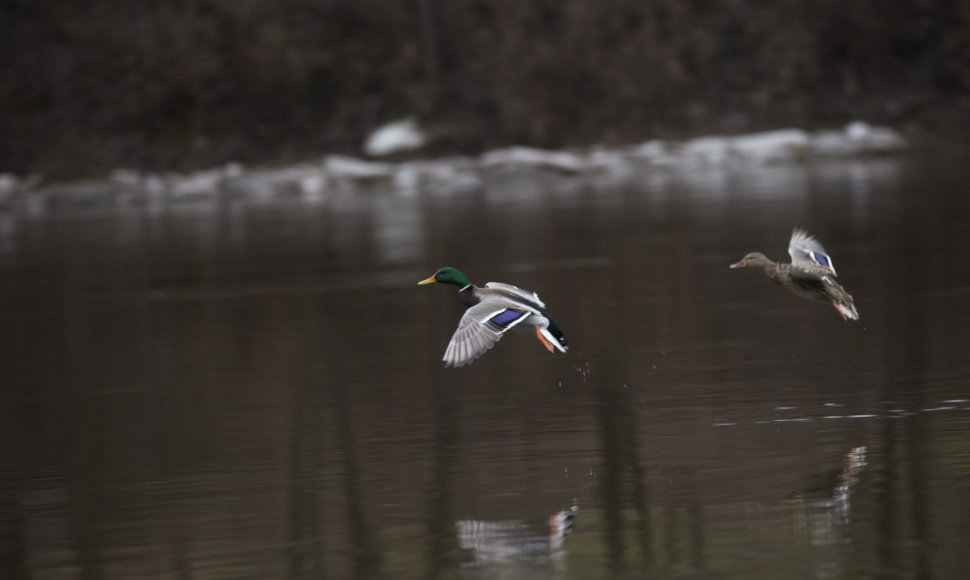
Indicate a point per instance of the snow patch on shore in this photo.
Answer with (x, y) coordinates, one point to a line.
(338, 175)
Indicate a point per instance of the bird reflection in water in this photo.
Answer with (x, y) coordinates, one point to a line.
(507, 542)
(821, 511)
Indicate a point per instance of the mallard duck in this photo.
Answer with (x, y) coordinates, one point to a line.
(811, 273)
(491, 311)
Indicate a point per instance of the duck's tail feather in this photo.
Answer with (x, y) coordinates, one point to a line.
(847, 310)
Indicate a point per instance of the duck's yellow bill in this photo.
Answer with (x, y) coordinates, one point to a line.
(741, 264)
(430, 280)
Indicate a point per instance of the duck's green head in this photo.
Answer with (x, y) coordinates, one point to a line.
(447, 275)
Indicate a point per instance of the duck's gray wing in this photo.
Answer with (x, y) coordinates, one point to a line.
(481, 327)
(515, 293)
(809, 260)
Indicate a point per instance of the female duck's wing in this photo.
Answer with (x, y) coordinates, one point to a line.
(809, 259)
(481, 327)
(515, 293)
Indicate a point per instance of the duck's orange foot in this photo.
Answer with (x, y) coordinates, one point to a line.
(839, 310)
(543, 340)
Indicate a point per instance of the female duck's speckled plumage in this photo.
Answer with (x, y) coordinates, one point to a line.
(810, 275)
(491, 311)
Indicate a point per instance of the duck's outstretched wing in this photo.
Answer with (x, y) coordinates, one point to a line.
(481, 327)
(809, 260)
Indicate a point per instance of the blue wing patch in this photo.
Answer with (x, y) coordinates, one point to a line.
(506, 318)
(821, 259)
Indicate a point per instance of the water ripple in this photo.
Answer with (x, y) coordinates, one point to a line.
(894, 413)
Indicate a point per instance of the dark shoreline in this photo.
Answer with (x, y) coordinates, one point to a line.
(86, 88)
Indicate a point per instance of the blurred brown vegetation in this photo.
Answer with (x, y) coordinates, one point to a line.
(87, 86)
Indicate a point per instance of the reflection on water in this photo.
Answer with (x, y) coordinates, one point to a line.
(508, 542)
(254, 390)
(822, 511)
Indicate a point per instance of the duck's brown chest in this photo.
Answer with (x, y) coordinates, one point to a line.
(468, 296)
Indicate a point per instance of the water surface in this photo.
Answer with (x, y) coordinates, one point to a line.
(254, 390)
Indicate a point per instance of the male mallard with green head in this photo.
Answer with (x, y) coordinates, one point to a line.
(811, 273)
(491, 311)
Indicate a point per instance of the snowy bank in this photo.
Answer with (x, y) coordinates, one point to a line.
(397, 137)
(337, 175)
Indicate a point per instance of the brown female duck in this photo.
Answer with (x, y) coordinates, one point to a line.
(810, 275)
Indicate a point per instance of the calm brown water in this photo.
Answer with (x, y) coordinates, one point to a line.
(254, 390)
